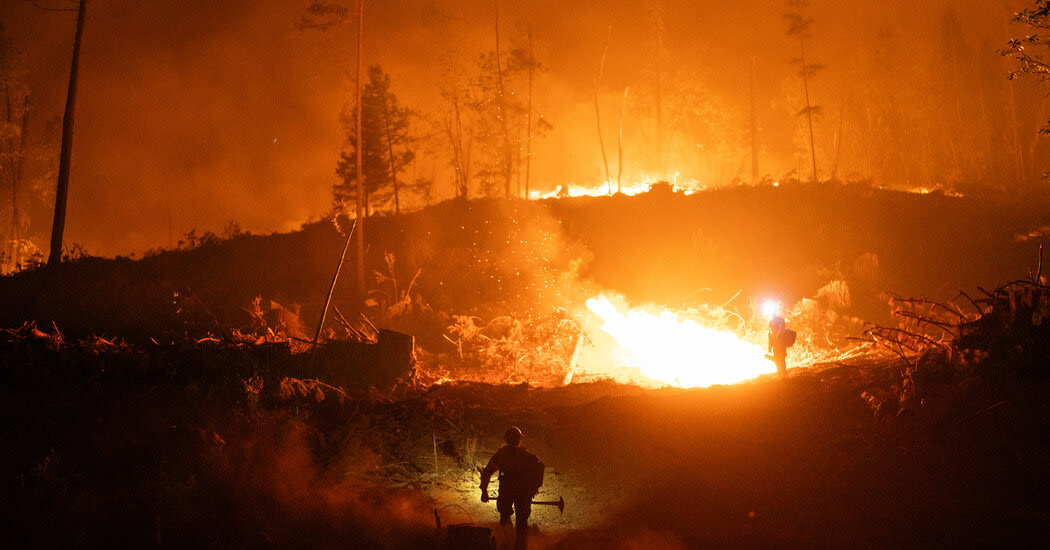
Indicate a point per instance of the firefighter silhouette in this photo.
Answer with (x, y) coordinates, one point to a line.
(520, 477)
(780, 339)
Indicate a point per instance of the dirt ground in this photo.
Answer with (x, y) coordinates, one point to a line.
(99, 452)
(799, 462)
(176, 431)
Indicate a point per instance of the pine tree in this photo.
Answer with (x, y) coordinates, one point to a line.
(386, 129)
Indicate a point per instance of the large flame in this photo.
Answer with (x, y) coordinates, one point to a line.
(670, 349)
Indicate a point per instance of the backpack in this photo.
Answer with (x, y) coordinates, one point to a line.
(787, 337)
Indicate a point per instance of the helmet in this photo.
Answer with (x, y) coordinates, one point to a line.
(513, 435)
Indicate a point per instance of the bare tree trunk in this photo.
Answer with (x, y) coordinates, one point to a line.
(16, 178)
(597, 115)
(809, 110)
(505, 155)
(331, 287)
(1015, 137)
(754, 129)
(619, 142)
(8, 170)
(393, 168)
(1033, 145)
(528, 120)
(661, 160)
(460, 157)
(517, 159)
(361, 202)
(838, 142)
(62, 190)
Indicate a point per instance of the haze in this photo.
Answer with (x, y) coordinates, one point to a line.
(195, 113)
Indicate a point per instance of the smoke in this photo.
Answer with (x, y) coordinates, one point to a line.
(197, 113)
(293, 488)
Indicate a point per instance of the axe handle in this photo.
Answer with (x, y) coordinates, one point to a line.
(560, 503)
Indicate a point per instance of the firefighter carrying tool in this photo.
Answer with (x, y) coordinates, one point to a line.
(560, 503)
(520, 478)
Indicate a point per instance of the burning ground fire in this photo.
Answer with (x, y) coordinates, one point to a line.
(680, 185)
(686, 187)
(663, 347)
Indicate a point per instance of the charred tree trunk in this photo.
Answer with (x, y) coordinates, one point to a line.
(7, 168)
(393, 165)
(597, 114)
(528, 119)
(661, 161)
(361, 202)
(62, 189)
(754, 129)
(838, 142)
(809, 110)
(506, 168)
(460, 157)
(16, 178)
(619, 141)
(517, 159)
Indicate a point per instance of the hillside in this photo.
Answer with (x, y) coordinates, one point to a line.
(151, 406)
(492, 257)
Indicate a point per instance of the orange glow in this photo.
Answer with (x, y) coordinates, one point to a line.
(673, 348)
(770, 308)
(685, 187)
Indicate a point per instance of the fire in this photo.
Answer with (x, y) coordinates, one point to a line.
(685, 187)
(668, 348)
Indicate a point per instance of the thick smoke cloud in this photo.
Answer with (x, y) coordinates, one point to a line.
(192, 114)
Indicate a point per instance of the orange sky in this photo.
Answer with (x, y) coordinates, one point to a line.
(197, 112)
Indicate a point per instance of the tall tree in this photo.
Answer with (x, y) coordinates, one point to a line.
(505, 157)
(491, 113)
(13, 132)
(359, 162)
(597, 113)
(457, 125)
(389, 147)
(754, 128)
(62, 188)
(799, 25)
(528, 116)
(324, 15)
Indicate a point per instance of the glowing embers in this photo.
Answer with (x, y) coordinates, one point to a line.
(669, 348)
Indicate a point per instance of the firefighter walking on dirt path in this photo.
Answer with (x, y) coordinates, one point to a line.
(780, 339)
(520, 478)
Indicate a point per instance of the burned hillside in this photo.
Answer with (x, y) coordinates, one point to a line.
(492, 258)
